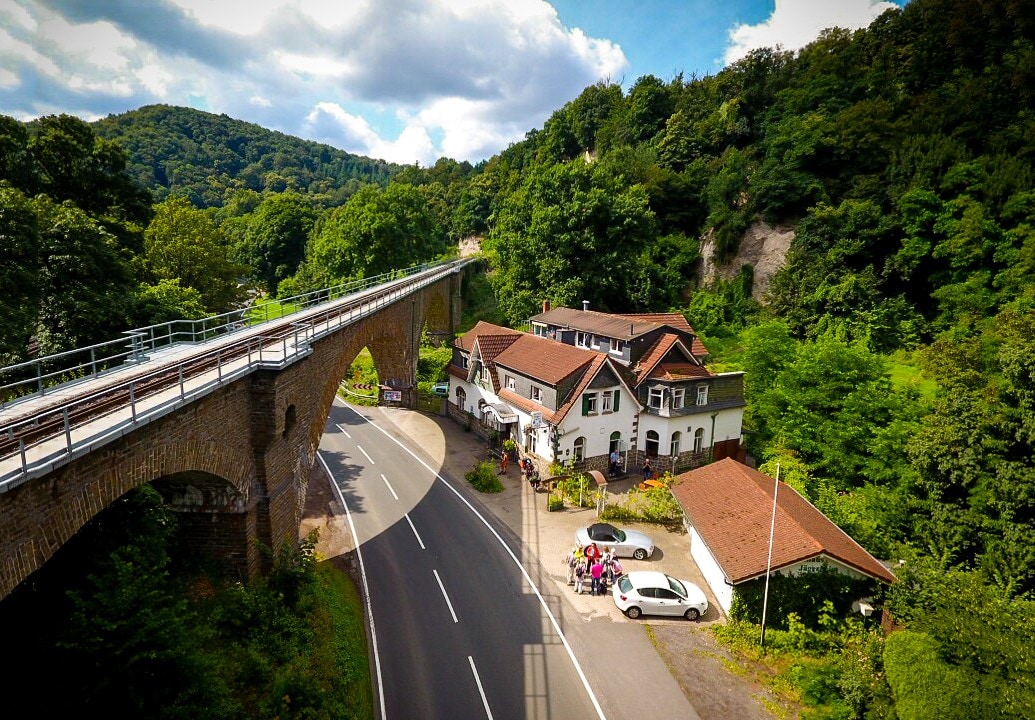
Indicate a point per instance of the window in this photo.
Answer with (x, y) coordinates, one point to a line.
(461, 398)
(539, 330)
(702, 394)
(464, 361)
(537, 394)
(605, 401)
(582, 339)
(616, 443)
(655, 398)
(674, 448)
(617, 346)
(485, 374)
(653, 442)
(699, 440)
(580, 449)
(589, 404)
(510, 382)
(677, 397)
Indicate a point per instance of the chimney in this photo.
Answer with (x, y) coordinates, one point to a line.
(546, 305)
(585, 305)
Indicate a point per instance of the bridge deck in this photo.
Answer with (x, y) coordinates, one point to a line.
(77, 417)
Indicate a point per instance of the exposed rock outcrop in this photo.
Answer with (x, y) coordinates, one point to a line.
(763, 247)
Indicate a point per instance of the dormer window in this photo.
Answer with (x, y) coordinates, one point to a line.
(655, 398)
(677, 397)
(582, 339)
(510, 382)
(537, 394)
(464, 360)
(702, 394)
(617, 346)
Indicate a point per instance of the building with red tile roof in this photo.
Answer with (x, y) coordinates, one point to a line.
(728, 508)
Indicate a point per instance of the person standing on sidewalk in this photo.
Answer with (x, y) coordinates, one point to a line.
(648, 469)
(580, 574)
(595, 573)
(569, 562)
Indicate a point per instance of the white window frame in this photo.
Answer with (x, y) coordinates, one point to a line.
(582, 339)
(485, 375)
(617, 346)
(678, 397)
(656, 393)
(464, 361)
(702, 394)
(537, 394)
(699, 440)
(591, 403)
(578, 449)
(674, 443)
(605, 402)
(510, 385)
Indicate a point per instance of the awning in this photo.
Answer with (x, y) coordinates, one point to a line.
(503, 414)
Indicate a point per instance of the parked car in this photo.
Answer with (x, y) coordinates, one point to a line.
(646, 592)
(440, 388)
(626, 543)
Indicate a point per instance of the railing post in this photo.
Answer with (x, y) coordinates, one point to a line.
(39, 377)
(133, 402)
(21, 451)
(180, 373)
(68, 430)
(219, 365)
(93, 362)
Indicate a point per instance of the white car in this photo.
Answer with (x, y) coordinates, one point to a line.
(626, 543)
(647, 592)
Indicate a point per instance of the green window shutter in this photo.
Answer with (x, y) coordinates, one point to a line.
(618, 394)
(585, 405)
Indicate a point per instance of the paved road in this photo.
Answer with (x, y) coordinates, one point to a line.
(461, 630)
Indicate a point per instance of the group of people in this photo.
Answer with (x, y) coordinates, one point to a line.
(590, 566)
(531, 474)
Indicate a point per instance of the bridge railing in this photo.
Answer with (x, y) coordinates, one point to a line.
(35, 444)
(35, 377)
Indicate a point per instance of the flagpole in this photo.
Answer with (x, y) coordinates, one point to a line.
(769, 562)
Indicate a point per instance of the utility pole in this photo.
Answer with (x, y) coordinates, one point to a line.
(769, 562)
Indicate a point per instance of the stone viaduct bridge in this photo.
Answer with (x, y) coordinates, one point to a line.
(225, 428)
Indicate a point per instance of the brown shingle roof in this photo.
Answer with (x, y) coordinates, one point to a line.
(673, 320)
(730, 505)
(678, 371)
(466, 341)
(606, 324)
(490, 340)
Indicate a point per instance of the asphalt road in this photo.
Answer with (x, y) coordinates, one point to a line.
(460, 629)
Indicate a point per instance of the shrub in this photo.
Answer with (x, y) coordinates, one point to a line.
(578, 490)
(803, 595)
(483, 478)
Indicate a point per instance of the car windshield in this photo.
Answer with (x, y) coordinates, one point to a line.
(624, 584)
(676, 586)
(619, 535)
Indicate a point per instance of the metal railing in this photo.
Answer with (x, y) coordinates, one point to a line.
(36, 377)
(188, 377)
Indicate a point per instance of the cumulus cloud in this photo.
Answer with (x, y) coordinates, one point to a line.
(795, 23)
(473, 74)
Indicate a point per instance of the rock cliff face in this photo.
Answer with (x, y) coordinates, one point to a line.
(763, 246)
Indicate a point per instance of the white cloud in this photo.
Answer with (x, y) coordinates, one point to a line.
(795, 23)
(474, 75)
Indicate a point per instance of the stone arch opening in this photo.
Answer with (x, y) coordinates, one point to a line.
(289, 420)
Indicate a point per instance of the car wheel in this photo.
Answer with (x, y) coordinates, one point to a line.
(640, 554)
(633, 612)
(692, 614)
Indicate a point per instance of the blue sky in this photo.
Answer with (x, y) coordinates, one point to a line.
(403, 80)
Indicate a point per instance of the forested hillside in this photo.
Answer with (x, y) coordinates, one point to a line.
(206, 157)
(890, 367)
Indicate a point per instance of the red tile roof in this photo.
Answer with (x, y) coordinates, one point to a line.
(656, 353)
(466, 341)
(543, 359)
(730, 505)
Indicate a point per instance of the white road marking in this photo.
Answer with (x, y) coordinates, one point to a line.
(481, 690)
(389, 486)
(365, 453)
(506, 549)
(366, 588)
(343, 430)
(448, 604)
(419, 541)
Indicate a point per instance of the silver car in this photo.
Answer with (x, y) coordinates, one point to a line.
(654, 593)
(626, 543)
